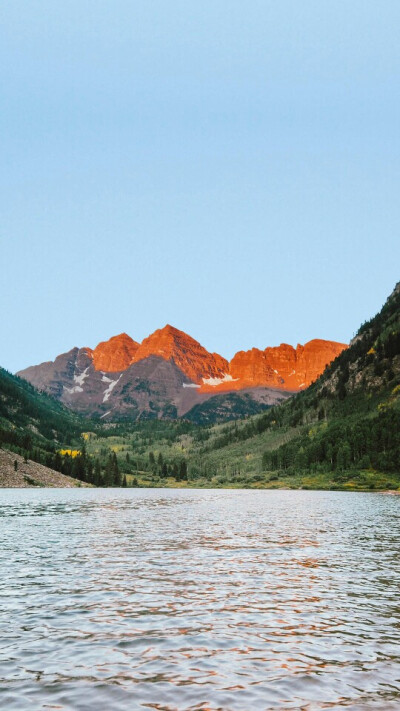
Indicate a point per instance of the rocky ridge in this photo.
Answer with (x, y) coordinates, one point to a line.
(170, 372)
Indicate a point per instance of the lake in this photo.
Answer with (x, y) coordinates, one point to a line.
(172, 600)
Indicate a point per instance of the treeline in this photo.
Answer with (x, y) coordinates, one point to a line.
(164, 468)
(342, 445)
(79, 466)
(21, 404)
(148, 432)
(277, 417)
(92, 471)
(351, 383)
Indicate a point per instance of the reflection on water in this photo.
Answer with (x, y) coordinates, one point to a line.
(213, 600)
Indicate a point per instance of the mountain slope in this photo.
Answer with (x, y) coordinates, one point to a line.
(170, 373)
(23, 409)
(116, 354)
(340, 431)
(187, 353)
(15, 472)
(35, 426)
(37, 430)
(234, 405)
(284, 366)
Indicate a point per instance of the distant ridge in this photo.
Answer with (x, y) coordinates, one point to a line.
(170, 372)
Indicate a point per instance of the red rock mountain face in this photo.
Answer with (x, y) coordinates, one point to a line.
(193, 360)
(116, 354)
(283, 367)
(169, 373)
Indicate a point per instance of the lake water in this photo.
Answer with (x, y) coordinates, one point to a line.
(117, 600)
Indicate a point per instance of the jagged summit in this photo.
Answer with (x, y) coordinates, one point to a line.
(187, 353)
(170, 372)
(116, 354)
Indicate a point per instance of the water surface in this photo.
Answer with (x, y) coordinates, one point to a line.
(117, 600)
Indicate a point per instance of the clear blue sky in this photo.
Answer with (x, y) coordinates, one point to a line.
(229, 167)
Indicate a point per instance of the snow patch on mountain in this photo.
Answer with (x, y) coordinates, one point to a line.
(80, 378)
(107, 380)
(110, 388)
(74, 389)
(217, 381)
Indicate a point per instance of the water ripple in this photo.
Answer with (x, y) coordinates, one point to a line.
(199, 600)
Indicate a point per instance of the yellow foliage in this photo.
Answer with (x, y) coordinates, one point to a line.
(371, 351)
(72, 452)
(396, 390)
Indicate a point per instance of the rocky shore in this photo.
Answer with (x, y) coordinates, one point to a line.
(30, 474)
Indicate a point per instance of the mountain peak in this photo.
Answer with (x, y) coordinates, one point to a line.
(170, 330)
(188, 354)
(115, 354)
(283, 366)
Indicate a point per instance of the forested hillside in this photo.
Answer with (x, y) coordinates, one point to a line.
(34, 425)
(342, 432)
(40, 429)
(27, 415)
(346, 423)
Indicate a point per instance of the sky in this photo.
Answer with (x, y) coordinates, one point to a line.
(228, 167)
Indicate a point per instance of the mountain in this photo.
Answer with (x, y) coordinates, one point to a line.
(170, 373)
(189, 355)
(282, 367)
(342, 432)
(116, 354)
(26, 412)
(35, 426)
(42, 443)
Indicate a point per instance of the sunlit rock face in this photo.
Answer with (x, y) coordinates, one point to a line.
(116, 354)
(170, 373)
(192, 359)
(284, 367)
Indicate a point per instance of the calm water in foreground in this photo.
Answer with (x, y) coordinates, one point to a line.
(116, 600)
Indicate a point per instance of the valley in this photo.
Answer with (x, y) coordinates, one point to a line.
(340, 432)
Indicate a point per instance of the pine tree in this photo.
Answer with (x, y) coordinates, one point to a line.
(183, 470)
(117, 480)
(109, 472)
(97, 473)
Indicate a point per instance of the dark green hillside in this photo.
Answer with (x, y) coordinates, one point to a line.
(29, 413)
(225, 407)
(42, 430)
(343, 429)
(33, 424)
